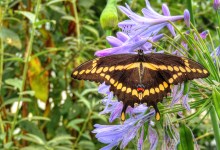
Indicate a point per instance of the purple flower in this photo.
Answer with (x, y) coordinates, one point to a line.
(138, 24)
(137, 32)
(216, 4)
(141, 139)
(122, 134)
(185, 102)
(124, 44)
(166, 12)
(171, 138)
(187, 17)
(215, 53)
(153, 138)
(113, 107)
(203, 35)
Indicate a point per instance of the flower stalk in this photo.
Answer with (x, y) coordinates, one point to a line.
(77, 22)
(2, 13)
(27, 58)
(189, 6)
(215, 125)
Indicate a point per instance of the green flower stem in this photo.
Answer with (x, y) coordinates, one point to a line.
(24, 75)
(2, 128)
(216, 129)
(77, 22)
(215, 56)
(189, 6)
(218, 18)
(108, 33)
(82, 130)
(2, 13)
(2, 48)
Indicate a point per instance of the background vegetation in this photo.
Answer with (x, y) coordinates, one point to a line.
(41, 42)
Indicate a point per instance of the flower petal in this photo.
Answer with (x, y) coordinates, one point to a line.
(153, 138)
(116, 113)
(185, 100)
(113, 41)
(187, 17)
(141, 139)
(122, 36)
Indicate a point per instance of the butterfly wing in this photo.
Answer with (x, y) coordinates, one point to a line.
(125, 72)
(162, 70)
(100, 69)
(118, 71)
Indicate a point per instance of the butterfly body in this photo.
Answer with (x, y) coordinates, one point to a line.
(140, 78)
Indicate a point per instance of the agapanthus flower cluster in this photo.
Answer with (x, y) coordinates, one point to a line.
(138, 32)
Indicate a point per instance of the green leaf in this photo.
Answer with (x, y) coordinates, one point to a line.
(38, 118)
(89, 145)
(216, 100)
(31, 93)
(35, 147)
(55, 1)
(92, 30)
(73, 124)
(68, 17)
(60, 140)
(8, 145)
(35, 132)
(28, 15)
(33, 138)
(10, 37)
(16, 83)
(186, 138)
(42, 22)
(13, 100)
(38, 79)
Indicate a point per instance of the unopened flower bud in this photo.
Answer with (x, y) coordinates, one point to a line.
(109, 16)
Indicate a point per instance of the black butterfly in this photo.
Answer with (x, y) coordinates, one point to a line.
(140, 78)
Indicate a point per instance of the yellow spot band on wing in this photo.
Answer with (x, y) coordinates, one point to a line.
(112, 81)
(152, 91)
(134, 92)
(75, 73)
(81, 72)
(105, 69)
(161, 87)
(123, 89)
(205, 71)
(119, 86)
(146, 93)
(150, 66)
(99, 70)
(128, 90)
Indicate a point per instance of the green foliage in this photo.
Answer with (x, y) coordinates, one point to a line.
(186, 138)
(60, 35)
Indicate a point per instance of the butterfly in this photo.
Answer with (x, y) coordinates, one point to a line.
(140, 78)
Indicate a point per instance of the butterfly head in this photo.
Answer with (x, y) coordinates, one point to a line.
(140, 52)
